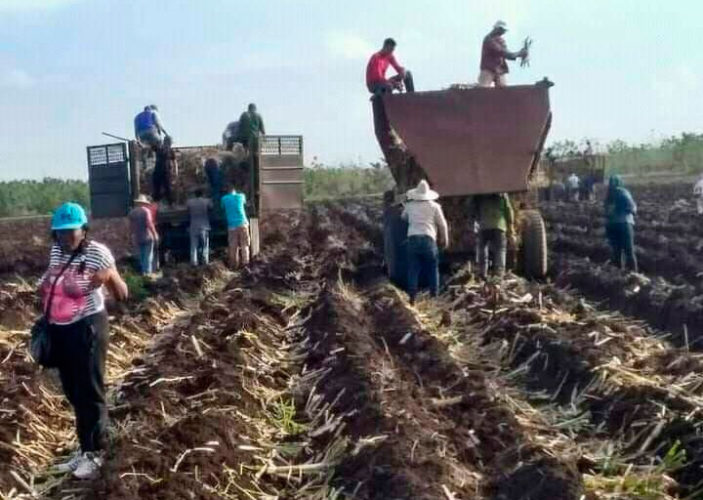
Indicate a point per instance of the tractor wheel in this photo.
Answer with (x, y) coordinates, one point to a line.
(534, 244)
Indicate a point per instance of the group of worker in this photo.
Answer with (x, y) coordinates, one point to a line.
(153, 139)
(493, 68)
(416, 229)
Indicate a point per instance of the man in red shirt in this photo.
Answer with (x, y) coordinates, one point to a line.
(493, 57)
(376, 80)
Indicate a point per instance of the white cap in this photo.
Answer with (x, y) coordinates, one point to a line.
(500, 24)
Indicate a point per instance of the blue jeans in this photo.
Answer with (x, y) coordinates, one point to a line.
(423, 257)
(200, 241)
(146, 257)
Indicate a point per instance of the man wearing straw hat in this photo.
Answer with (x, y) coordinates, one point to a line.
(426, 227)
(144, 233)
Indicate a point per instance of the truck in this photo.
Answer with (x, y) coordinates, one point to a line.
(272, 176)
(467, 141)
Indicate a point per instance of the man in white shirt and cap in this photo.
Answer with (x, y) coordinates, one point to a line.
(427, 227)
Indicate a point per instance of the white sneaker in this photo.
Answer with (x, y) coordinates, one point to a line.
(71, 464)
(89, 466)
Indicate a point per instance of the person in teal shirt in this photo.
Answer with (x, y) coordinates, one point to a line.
(233, 204)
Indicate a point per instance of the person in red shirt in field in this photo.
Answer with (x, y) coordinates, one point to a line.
(494, 54)
(376, 80)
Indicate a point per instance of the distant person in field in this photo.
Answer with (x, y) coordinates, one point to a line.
(573, 184)
(213, 172)
(165, 169)
(494, 57)
(620, 210)
(239, 239)
(148, 127)
(376, 81)
(251, 128)
(144, 234)
(427, 230)
(698, 193)
(495, 216)
(199, 211)
(73, 297)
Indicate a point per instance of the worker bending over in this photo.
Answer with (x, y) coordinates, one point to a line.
(148, 128)
(494, 214)
(494, 56)
(377, 67)
(426, 228)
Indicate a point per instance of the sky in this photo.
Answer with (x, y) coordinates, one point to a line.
(71, 69)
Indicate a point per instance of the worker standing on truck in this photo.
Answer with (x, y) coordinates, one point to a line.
(213, 172)
(620, 210)
(251, 127)
(164, 170)
(233, 203)
(494, 214)
(144, 234)
(494, 54)
(230, 135)
(72, 292)
(148, 128)
(377, 67)
(427, 227)
(199, 211)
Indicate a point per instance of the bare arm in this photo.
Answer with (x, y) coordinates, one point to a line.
(442, 227)
(396, 66)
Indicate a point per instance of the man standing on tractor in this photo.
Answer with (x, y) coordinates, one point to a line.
(494, 214)
(251, 127)
(376, 69)
(148, 128)
(494, 54)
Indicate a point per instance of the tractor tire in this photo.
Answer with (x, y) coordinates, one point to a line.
(534, 245)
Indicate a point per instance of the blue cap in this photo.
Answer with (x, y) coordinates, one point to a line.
(69, 216)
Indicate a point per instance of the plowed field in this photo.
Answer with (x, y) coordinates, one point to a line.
(309, 376)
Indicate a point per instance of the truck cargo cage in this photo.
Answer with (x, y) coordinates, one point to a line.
(108, 177)
(281, 172)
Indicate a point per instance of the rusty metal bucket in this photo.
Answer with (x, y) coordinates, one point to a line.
(473, 141)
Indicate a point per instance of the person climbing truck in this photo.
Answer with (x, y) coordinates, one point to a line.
(72, 292)
(251, 128)
(427, 227)
(377, 67)
(148, 128)
(494, 57)
(164, 170)
(620, 210)
(494, 214)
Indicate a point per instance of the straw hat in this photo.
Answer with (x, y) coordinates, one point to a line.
(422, 192)
(142, 199)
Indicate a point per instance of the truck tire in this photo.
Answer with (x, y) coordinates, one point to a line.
(534, 245)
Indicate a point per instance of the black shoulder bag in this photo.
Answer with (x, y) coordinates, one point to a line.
(40, 343)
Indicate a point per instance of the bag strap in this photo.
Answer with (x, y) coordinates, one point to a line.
(47, 311)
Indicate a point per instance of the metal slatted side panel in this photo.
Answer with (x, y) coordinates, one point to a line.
(108, 174)
(281, 172)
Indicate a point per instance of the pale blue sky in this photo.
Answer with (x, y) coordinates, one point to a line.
(70, 69)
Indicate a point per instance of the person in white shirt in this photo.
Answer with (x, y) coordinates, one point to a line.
(572, 187)
(426, 228)
(698, 193)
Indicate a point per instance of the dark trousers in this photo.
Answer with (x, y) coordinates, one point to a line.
(423, 257)
(80, 350)
(380, 88)
(492, 242)
(162, 186)
(621, 236)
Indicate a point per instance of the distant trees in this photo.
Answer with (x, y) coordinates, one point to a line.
(345, 180)
(30, 197)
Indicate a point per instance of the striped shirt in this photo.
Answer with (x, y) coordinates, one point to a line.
(74, 297)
